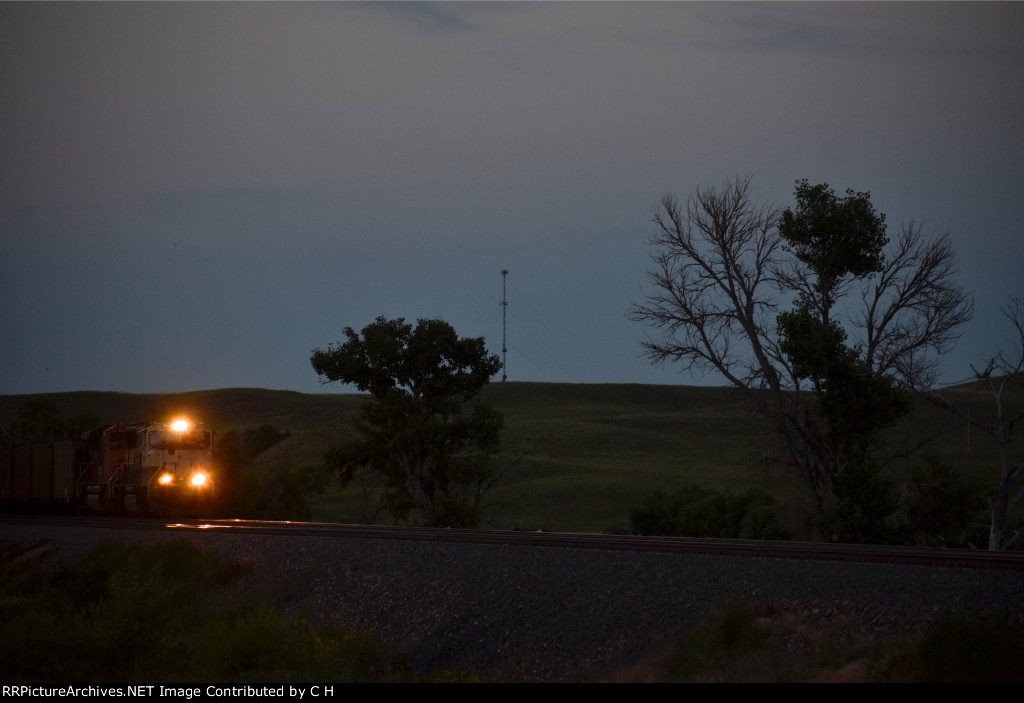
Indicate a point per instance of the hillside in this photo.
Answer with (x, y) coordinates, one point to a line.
(223, 409)
(578, 456)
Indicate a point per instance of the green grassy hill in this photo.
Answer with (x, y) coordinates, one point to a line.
(594, 451)
(578, 456)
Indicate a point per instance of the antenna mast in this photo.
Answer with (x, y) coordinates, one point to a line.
(504, 309)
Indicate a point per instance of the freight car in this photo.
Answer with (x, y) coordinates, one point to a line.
(148, 468)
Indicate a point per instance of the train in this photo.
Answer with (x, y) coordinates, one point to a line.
(150, 468)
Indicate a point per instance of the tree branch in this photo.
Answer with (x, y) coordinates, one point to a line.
(914, 309)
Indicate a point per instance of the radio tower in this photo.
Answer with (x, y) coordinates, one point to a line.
(504, 309)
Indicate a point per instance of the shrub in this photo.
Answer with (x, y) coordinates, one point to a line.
(972, 647)
(693, 511)
(129, 613)
(730, 632)
(942, 504)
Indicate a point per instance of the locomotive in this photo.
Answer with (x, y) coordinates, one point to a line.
(148, 468)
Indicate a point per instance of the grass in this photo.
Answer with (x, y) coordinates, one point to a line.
(741, 643)
(131, 614)
(592, 452)
(597, 450)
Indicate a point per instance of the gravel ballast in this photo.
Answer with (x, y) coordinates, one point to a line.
(548, 613)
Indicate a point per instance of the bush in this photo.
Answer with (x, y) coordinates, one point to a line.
(267, 492)
(131, 614)
(693, 511)
(730, 632)
(972, 647)
(942, 505)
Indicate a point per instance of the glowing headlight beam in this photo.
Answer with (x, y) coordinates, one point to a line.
(181, 425)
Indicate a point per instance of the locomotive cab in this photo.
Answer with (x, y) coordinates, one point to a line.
(157, 467)
(176, 456)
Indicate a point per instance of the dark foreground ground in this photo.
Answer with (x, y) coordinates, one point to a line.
(539, 614)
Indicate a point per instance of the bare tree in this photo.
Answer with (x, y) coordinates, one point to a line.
(721, 272)
(716, 293)
(913, 308)
(1000, 373)
(716, 296)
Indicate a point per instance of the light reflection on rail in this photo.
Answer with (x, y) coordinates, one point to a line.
(239, 523)
(195, 527)
(678, 545)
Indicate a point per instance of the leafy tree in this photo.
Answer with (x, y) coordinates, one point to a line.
(837, 241)
(276, 494)
(258, 440)
(229, 463)
(415, 431)
(724, 267)
(39, 421)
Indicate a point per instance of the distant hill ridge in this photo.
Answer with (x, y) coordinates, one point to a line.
(227, 408)
(575, 457)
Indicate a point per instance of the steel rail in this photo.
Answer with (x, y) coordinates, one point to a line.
(765, 549)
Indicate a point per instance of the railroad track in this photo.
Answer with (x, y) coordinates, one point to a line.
(960, 558)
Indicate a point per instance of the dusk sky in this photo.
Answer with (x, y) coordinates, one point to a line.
(194, 195)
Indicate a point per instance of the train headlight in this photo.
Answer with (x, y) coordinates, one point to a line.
(166, 479)
(199, 479)
(181, 425)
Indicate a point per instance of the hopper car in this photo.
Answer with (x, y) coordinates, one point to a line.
(146, 468)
